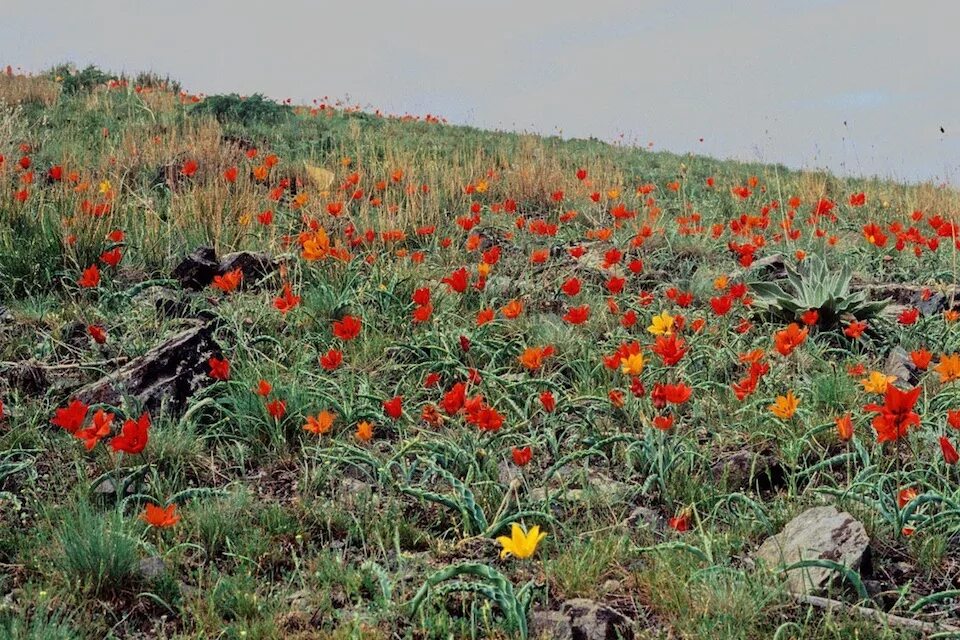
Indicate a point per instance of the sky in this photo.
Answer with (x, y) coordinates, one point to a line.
(860, 87)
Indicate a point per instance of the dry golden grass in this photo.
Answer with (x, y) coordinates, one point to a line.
(17, 89)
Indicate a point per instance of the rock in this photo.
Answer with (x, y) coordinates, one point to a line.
(166, 376)
(900, 365)
(644, 517)
(5, 316)
(30, 378)
(820, 533)
(507, 472)
(591, 620)
(254, 264)
(745, 468)
(197, 270)
(550, 625)
(152, 567)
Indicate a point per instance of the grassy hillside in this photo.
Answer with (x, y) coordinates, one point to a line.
(433, 334)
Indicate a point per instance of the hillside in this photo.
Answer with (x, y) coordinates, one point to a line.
(272, 371)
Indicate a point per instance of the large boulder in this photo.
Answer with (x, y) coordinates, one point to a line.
(820, 533)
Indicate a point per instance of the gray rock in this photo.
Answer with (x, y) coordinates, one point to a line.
(581, 619)
(644, 517)
(152, 567)
(820, 533)
(550, 625)
(591, 620)
(744, 468)
(900, 365)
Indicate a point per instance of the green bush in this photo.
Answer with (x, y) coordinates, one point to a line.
(234, 109)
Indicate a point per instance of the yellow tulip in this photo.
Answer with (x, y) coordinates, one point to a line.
(661, 325)
(521, 544)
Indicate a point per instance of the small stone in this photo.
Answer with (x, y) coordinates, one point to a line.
(152, 567)
(900, 365)
(591, 620)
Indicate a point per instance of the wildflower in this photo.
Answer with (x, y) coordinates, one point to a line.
(219, 368)
(230, 175)
(72, 417)
(948, 367)
(133, 436)
(98, 334)
(393, 407)
(877, 382)
(908, 316)
(844, 427)
(906, 496)
(855, 329)
(522, 455)
(364, 431)
(99, 428)
(680, 522)
(953, 418)
(319, 424)
(160, 517)
(663, 423)
(228, 281)
(896, 414)
(721, 305)
(286, 301)
(786, 340)
(921, 358)
(670, 393)
(90, 277)
(532, 357)
(521, 544)
(577, 315)
(785, 406)
(331, 360)
(810, 317)
(949, 453)
(661, 325)
(277, 409)
(347, 328)
(264, 388)
(550, 403)
(512, 309)
(457, 281)
(632, 364)
(571, 287)
(484, 316)
(671, 349)
(111, 258)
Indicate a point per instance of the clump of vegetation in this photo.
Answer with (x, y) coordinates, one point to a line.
(79, 81)
(812, 286)
(235, 109)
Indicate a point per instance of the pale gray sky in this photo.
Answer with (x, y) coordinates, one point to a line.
(770, 80)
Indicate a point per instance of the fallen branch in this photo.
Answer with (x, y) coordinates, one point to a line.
(889, 619)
